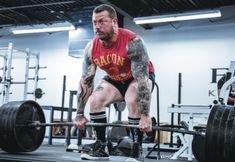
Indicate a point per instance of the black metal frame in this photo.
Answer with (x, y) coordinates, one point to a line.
(52, 109)
(158, 131)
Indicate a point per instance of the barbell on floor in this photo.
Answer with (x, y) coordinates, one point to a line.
(22, 125)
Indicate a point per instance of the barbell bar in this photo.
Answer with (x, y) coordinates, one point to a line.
(37, 124)
(18, 119)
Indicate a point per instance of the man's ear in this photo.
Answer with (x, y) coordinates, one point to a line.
(114, 22)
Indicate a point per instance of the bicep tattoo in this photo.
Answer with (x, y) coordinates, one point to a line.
(140, 71)
(86, 84)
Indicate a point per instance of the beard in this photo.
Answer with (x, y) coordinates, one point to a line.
(106, 36)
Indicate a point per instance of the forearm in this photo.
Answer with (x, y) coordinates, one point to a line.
(143, 96)
(140, 71)
(141, 75)
(84, 91)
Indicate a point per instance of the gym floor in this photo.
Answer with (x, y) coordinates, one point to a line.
(57, 153)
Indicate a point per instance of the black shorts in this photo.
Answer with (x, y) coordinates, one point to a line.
(122, 86)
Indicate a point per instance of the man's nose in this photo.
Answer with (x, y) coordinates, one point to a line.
(96, 26)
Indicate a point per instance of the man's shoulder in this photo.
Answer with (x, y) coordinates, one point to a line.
(126, 32)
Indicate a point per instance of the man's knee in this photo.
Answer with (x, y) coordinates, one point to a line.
(131, 101)
(96, 104)
(132, 106)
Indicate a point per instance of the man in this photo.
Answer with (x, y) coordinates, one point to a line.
(123, 56)
(231, 96)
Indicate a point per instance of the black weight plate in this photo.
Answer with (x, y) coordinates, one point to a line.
(221, 134)
(120, 106)
(38, 93)
(7, 140)
(30, 139)
(211, 132)
(20, 139)
(116, 133)
(231, 148)
(228, 136)
(198, 147)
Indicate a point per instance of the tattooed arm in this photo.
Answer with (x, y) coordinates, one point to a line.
(140, 71)
(86, 84)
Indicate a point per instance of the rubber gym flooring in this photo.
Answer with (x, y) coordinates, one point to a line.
(57, 153)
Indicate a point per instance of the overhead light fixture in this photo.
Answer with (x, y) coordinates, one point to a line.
(178, 17)
(43, 30)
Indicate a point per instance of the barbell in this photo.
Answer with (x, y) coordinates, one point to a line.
(22, 129)
(38, 125)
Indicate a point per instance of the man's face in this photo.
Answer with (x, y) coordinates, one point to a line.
(103, 25)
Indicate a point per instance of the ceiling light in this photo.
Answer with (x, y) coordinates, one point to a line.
(43, 30)
(178, 17)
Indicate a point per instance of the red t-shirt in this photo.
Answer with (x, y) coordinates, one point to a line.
(113, 60)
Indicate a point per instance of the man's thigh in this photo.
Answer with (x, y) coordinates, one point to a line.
(131, 92)
(106, 93)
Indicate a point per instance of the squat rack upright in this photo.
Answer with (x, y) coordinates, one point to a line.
(8, 54)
